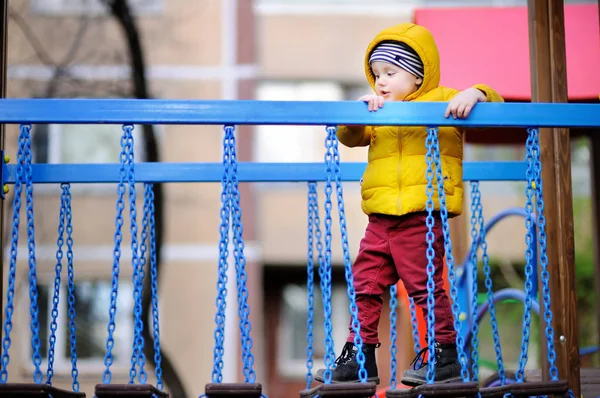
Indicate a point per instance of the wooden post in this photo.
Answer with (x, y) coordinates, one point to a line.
(548, 84)
(594, 140)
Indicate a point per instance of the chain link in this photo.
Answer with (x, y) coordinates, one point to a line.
(137, 350)
(415, 324)
(541, 222)
(476, 195)
(430, 254)
(154, 286)
(71, 286)
(325, 269)
(360, 356)
(142, 377)
(310, 281)
(240, 260)
(318, 236)
(118, 237)
(12, 270)
(474, 276)
(393, 335)
(217, 373)
(60, 241)
(462, 356)
(33, 292)
(529, 191)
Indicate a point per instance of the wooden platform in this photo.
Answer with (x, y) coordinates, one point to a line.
(590, 380)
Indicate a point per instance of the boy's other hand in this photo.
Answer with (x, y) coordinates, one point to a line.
(374, 101)
(461, 105)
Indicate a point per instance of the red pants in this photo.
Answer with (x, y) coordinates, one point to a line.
(394, 248)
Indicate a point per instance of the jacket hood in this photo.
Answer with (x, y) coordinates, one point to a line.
(420, 40)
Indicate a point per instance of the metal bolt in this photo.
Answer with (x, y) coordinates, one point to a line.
(563, 339)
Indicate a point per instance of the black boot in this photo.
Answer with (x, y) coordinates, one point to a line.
(346, 366)
(447, 367)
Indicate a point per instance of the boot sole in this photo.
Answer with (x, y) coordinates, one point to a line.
(412, 382)
(369, 380)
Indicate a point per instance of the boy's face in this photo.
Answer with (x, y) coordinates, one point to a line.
(392, 82)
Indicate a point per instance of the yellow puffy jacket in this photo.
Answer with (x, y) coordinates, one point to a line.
(394, 181)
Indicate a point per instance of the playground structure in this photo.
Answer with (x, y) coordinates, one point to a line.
(566, 351)
(234, 113)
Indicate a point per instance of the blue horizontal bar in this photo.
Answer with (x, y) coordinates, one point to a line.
(247, 172)
(119, 111)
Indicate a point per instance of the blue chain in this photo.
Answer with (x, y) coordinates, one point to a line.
(71, 286)
(217, 373)
(393, 334)
(12, 271)
(60, 241)
(462, 356)
(33, 293)
(474, 273)
(137, 350)
(430, 253)
(529, 191)
(240, 260)
(110, 342)
(318, 237)
(541, 221)
(142, 377)
(310, 281)
(154, 286)
(358, 342)
(475, 192)
(415, 324)
(325, 267)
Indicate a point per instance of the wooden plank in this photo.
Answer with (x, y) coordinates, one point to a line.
(548, 84)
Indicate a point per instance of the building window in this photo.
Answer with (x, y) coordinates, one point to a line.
(92, 7)
(292, 341)
(82, 143)
(92, 301)
(291, 144)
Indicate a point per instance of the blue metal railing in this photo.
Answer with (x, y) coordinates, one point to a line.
(131, 111)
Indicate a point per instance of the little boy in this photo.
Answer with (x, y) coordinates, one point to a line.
(402, 64)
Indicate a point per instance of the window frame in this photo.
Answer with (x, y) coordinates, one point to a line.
(92, 8)
(54, 132)
(289, 367)
(62, 363)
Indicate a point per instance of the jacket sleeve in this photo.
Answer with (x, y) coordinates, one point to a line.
(491, 95)
(352, 136)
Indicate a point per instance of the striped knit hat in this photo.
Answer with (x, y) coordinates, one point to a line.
(399, 54)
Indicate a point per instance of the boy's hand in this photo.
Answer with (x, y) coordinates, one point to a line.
(461, 105)
(375, 102)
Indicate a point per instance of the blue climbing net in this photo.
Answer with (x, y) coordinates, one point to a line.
(65, 228)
